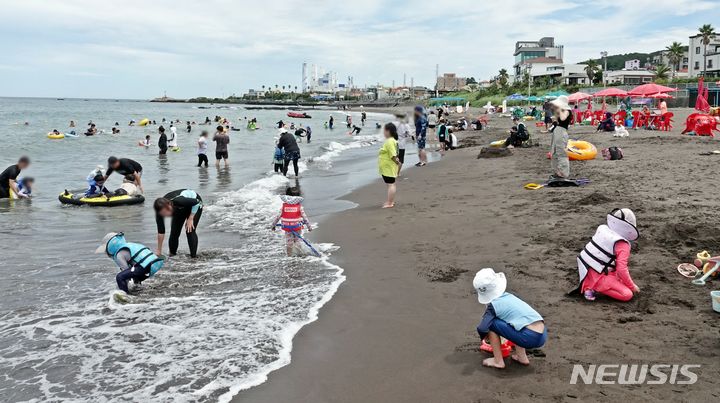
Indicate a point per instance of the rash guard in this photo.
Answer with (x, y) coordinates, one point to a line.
(185, 202)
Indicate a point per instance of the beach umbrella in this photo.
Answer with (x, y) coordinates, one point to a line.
(578, 96)
(611, 92)
(515, 97)
(555, 94)
(533, 98)
(650, 89)
(661, 95)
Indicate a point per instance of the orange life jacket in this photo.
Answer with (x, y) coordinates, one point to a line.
(291, 218)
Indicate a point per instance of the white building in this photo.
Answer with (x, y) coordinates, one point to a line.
(568, 74)
(633, 64)
(629, 77)
(696, 54)
(537, 66)
(316, 79)
(527, 51)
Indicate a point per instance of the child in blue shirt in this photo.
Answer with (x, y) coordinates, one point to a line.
(278, 159)
(506, 316)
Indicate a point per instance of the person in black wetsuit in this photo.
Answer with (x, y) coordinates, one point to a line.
(185, 208)
(9, 176)
(125, 167)
(288, 143)
(162, 141)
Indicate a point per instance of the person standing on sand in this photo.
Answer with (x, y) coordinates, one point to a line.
(506, 316)
(331, 122)
(421, 125)
(559, 161)
(221, 140)
(404, 135)
(389, 163)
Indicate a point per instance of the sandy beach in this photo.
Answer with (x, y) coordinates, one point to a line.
(402, 327)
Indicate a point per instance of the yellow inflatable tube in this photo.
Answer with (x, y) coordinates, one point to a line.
(143, 122)
(54, 136)
(497, 144)
(581, 150)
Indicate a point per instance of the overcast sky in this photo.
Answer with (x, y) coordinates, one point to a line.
(138, 49)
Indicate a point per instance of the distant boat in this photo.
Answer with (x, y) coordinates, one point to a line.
(61, 99)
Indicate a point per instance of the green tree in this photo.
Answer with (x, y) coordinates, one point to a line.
(503, 78)
(675, 54)
(662, 72)
(707, 32)
(471, 80)
(591, 67)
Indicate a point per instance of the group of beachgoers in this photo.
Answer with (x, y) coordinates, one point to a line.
(602, 264)
(509, 322)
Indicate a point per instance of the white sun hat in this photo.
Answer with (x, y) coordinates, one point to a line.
(622, 221)
(562, 102)
(106, 238)
(489, 285)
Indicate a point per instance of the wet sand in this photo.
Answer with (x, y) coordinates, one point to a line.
(402, 327)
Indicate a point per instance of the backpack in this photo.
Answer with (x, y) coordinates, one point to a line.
(612, 153)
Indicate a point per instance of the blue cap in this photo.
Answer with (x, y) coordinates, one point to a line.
(419, 108)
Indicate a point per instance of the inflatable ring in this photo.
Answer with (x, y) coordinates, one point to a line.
(581, 150)
(143, 122)
(497, 144)
(54, 136)
(78, 199)
(534, 186)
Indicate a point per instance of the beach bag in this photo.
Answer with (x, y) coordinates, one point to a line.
(612, 153)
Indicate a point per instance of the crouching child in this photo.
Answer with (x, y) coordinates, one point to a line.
(506, 316)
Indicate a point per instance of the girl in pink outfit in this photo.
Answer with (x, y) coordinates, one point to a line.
(603, 263)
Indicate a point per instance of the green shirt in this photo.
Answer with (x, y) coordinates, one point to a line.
(386, 165)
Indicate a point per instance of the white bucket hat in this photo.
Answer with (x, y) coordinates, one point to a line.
(106, 238)
(623, 222)
(489, 285)
(562, 102)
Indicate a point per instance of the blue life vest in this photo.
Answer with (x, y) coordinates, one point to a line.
(140, 254)
(21, 186)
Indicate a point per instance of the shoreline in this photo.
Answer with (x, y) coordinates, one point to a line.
(401, 327)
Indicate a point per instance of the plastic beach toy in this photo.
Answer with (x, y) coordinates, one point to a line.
(716, 264)
(505, 347)
(701, 259)
(715, 296)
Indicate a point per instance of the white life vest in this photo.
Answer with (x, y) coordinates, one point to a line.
(599, 253)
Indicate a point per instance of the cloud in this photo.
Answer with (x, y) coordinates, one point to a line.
(204, 48)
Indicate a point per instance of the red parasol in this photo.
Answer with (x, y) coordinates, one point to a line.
(650, 89)
(660, 96)
(611, 92)
(578, 97)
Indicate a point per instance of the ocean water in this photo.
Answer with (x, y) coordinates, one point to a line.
(201, 330)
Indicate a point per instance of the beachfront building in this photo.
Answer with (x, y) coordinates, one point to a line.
(696, 57)
(661, 59)
(567, 74)
(450, 82)
(532, 51)
(629, 77)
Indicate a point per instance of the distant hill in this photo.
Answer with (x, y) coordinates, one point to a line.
(617, 62)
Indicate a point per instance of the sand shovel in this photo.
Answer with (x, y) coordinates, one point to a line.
(701, 280)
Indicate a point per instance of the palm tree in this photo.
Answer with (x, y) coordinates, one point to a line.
(590, 69)
(503, 78)
(661, 72)
(675, 53)
(708, 33)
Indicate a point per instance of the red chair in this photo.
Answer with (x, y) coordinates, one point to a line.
(620, 118)
(578, 117)
(641, 121)
(636, 119)
(665, 123)
(598, 116)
